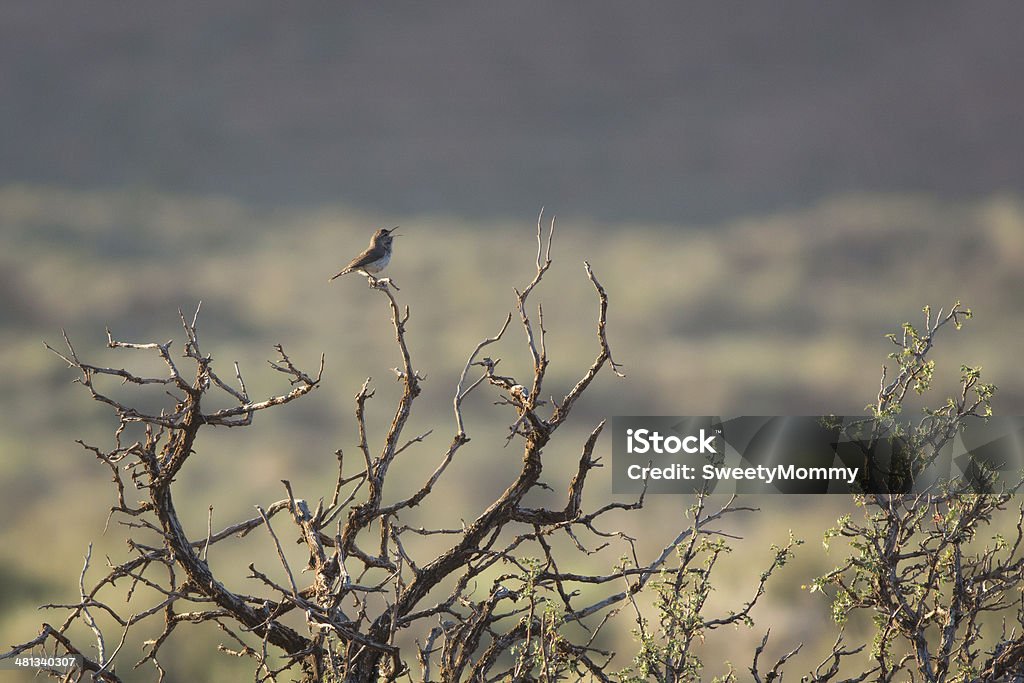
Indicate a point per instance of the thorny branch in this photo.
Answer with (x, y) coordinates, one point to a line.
(370, 584)
(148, 465)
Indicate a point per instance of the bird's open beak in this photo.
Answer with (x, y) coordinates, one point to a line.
(395, 234)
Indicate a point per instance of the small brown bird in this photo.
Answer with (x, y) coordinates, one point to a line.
(375, 258)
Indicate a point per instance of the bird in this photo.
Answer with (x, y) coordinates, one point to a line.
(375, 258)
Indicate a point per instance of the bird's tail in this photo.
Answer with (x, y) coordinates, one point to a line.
(344, 272)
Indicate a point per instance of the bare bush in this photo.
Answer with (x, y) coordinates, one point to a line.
(482, 608)
(504, 598)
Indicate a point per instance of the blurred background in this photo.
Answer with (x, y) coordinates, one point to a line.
(764, 191)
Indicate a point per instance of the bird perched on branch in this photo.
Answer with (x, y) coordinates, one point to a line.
(375, 258)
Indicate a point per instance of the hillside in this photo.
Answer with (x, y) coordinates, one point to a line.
(672, 111)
